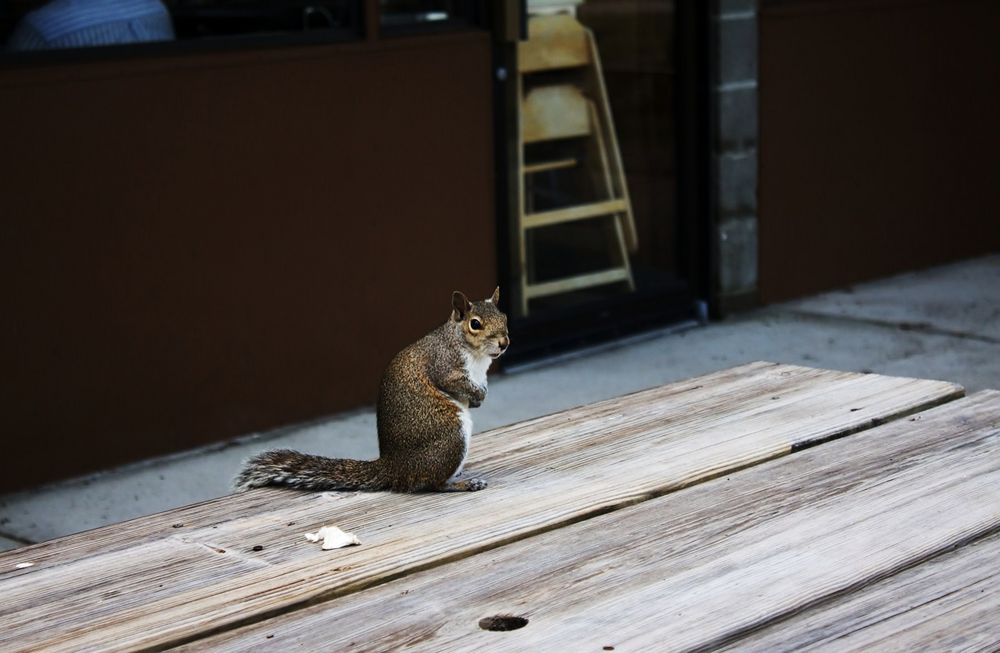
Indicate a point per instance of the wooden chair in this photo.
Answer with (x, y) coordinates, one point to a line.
(563, 99)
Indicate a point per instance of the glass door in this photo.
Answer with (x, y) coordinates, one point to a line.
(600, 243)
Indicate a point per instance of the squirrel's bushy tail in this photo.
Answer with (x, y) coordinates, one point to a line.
(302, 471)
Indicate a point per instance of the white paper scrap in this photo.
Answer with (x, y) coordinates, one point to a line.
(333, 538)
(24, 565)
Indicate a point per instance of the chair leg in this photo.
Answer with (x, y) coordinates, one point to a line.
(609, 189)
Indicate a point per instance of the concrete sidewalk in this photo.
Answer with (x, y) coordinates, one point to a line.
(942, 323)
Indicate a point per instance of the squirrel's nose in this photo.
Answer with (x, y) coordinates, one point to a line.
(504, 343)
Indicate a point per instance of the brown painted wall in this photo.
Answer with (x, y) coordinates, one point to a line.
(197, 247)
(878, 138)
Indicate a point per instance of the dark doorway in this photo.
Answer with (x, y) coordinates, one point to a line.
(605, 219)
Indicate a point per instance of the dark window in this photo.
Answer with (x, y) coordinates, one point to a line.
(209, 18)
(30, 26)
(407, 15)
(86, 28)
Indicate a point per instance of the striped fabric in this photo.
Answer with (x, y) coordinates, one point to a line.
(85, 23)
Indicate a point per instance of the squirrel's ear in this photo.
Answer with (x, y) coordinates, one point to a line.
(460, 306)
(496, 296)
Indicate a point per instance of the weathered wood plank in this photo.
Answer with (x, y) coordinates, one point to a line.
(950, 603)
(698, 568)
(145, 584)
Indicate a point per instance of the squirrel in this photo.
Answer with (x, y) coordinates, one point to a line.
(422, 418)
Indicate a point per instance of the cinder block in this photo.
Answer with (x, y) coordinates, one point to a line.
(736, 182)
(737, 255)
(737, 125)
(737, 55)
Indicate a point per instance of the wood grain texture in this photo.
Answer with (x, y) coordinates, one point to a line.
(698, 568)
(950, 603)
(174, 577)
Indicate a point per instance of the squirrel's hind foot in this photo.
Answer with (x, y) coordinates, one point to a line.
(465, 485)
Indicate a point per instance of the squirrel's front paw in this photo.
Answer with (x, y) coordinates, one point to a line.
(476, 484)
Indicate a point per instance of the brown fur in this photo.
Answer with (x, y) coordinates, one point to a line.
(422, 396)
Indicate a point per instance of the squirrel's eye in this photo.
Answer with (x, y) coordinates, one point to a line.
(475, 324)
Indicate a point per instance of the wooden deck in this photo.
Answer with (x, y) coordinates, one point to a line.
(767, 507)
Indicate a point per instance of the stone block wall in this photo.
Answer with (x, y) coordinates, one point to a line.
(734, 99)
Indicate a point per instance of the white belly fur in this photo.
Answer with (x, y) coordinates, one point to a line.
(466, 419)
(476, 368)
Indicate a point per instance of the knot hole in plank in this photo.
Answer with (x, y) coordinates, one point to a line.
(502, 622)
